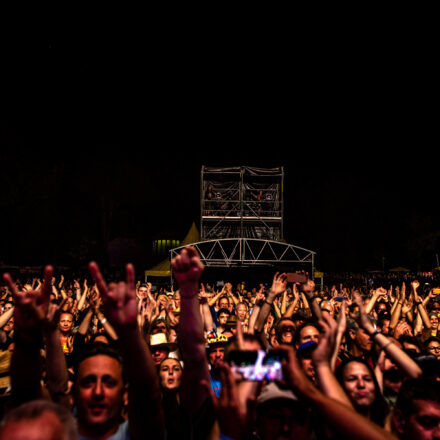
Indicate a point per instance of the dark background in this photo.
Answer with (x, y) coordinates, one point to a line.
(102, 140)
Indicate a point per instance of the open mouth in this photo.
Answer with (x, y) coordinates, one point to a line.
(97, 409)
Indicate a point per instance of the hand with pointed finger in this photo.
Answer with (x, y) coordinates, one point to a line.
(119, 303)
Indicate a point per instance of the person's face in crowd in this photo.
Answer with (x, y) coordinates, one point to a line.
(423, 423)
(176, 299)
(142, 291)
(385, 328)
(308, 333)
(223, 303)
(269, 321)
(434, 321)
(308, 367)
(65, 323)
(8, 306)
(160, 327)
(286, 331)
(216, 354)
(47, 426)
(241, 312)
(159, 353)
(9, 326)
(359, 384)
(279, 421)
(381, 308)
(434, 348)
(273, 341)
(223, 319)
(172, 337)
(363, 340)
(99, 392)
(354, 313)
(170, 373)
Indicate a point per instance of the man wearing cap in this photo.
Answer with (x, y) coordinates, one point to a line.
(160, 347)
(215, 350)
(281, 416)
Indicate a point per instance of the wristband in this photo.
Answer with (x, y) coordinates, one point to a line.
(386, 345)
(374, 334)
(418, 302)
(267, 302)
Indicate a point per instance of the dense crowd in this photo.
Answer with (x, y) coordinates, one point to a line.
(359, 358)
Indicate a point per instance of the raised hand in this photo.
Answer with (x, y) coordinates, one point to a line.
(53, 315)
(119, 299)
(363, 318)
(309, 287)
(415, 285)
(31, 306)
(187, 267)
(381, 291)
(279, 283)
(234, 421)
(323, 352)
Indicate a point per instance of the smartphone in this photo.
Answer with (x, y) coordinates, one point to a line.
(339, 298)
(436, 290)
(257, 365)
(296, 277)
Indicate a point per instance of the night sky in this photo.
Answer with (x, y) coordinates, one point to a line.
(97, 146)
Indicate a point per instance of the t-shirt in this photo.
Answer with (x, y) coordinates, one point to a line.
(121, 434)
(216, 386)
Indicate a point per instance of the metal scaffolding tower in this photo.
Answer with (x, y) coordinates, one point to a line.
(241, 219)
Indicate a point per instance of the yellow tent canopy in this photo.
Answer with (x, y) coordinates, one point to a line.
(163, 269)
(399, 269)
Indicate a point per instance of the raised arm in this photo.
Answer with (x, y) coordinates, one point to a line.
(208, 322)
(291, 308)
(279, 284)
(322, 360)
(309, 288)
(56, 366)
(397, 355)
(376, 295)
(395, 316)
(343, 420)
(419, 305)
(187, 270)
(29, 315)
(342, 325)
(145, 412)
(4, 319)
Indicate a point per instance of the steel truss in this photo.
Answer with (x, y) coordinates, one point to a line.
(232, 252)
